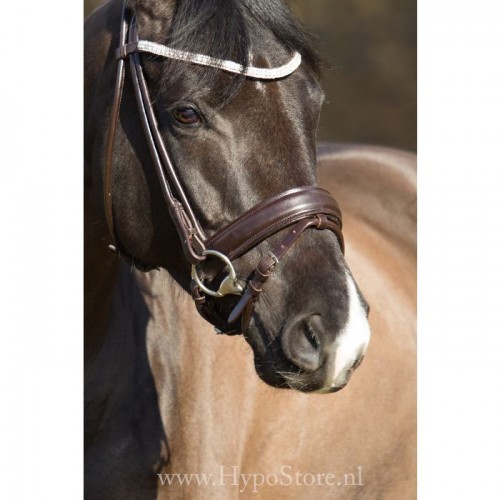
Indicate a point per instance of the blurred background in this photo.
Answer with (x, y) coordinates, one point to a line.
(370, 79)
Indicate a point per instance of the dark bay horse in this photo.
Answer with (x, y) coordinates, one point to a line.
(164, 395)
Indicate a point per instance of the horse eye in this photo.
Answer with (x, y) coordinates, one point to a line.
(186, 116)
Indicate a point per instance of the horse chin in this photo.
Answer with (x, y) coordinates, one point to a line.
(298, 382)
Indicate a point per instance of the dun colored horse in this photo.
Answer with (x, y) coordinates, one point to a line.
(174, 410)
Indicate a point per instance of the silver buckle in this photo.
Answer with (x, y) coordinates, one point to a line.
(229, 285)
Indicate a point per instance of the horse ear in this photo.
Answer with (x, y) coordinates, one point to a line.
(153, 17)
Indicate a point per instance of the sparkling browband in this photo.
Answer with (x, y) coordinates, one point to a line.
(231, 66)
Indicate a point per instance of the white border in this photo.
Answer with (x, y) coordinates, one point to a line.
(41, 369)
(41, 250)
(459, 249)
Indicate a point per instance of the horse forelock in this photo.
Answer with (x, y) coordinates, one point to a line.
(222, 29)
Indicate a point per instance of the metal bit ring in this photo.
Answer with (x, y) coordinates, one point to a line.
(229, 285)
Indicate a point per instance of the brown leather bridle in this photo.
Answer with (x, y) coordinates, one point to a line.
(296, 209)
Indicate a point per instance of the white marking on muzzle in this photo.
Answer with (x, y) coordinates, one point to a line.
(352, 341)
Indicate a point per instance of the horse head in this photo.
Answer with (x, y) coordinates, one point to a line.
(235, 141)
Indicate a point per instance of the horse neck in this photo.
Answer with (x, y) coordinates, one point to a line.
(193, 367)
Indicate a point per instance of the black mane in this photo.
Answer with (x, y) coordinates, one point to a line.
(219, 28)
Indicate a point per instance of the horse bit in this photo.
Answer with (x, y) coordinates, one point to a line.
(296, 209)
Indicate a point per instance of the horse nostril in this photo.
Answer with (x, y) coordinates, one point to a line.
(301, 343)
(311, 336)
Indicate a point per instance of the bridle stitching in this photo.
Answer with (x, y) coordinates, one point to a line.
(256, 209)
(280, 224)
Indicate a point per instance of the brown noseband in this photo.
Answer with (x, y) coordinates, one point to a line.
(296, 209)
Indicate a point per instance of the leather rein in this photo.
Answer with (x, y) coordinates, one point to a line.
(296, 209)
